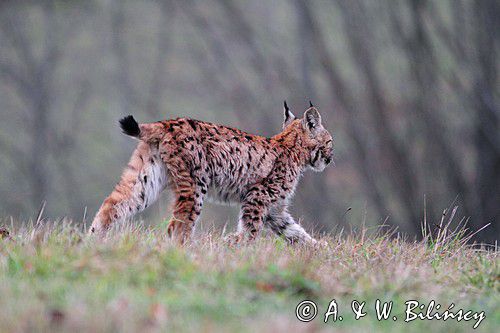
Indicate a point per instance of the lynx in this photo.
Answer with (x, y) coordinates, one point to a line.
(197, 160)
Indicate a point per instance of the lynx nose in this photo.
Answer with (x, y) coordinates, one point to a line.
(329, 159)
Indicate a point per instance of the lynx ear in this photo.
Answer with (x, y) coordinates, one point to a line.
(288, 115)
(312, 119)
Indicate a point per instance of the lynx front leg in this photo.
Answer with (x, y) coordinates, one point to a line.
(252, 213)
(283, 224)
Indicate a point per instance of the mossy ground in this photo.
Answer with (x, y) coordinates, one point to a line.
(56, 278)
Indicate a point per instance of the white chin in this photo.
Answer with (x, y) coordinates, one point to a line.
(320, 166)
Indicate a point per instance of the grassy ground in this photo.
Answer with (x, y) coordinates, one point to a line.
(55, 278)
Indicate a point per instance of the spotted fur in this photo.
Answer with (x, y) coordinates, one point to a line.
(198, 160)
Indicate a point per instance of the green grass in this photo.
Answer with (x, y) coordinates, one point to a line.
(56, 278)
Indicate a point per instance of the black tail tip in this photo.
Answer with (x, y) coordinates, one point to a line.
(130, 126)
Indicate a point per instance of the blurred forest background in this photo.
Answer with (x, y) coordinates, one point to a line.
(409, 89)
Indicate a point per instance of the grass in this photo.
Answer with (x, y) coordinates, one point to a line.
(53, 277)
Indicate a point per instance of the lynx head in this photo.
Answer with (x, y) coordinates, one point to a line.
(314, 137)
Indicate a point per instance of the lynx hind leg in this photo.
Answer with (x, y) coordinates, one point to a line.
(187, 209)
(141, 183)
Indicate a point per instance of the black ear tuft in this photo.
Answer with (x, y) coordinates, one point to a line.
(288, 115)
(130, 126)
(311, 104)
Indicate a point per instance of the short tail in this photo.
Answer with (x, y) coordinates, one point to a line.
(130, 126)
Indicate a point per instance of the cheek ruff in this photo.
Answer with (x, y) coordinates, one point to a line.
(315, 158)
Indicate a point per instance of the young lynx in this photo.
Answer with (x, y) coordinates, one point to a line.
(197, 160)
